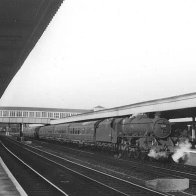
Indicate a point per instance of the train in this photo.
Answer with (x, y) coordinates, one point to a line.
(138, 136)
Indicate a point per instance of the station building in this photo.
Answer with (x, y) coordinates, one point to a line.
(35, 114)
(32, 112)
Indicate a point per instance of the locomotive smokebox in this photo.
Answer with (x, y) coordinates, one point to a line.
(161, 128)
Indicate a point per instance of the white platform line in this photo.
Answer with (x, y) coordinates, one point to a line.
(13, 179)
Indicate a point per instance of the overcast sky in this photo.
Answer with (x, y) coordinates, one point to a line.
(110, 53)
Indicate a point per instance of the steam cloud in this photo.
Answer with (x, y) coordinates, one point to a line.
(157, 155)
(182, 151)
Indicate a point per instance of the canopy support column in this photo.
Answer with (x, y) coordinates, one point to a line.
(193, 129)
(21, 131)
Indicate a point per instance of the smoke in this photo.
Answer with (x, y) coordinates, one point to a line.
(182, 151)
(157, 155)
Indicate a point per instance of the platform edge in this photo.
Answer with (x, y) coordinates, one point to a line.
(13, 179)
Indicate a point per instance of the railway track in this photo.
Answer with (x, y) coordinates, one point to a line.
(33, 183)
(166, 170)
(88, 181)
(176, 169)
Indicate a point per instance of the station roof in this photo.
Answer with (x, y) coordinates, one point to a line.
(172, 107)
(22, 22)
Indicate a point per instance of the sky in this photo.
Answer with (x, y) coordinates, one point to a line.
(109, 53)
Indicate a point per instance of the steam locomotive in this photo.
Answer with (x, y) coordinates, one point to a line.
(135, 136)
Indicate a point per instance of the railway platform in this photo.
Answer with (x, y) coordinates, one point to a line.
(192, 159)
(8, 184)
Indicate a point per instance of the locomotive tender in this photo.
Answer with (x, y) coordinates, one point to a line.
(135, 136)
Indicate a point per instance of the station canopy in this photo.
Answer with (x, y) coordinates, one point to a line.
(181, 106)
(22, 22)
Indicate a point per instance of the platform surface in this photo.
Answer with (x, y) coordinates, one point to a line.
(8, 184)
(168, 184)
(192, 159)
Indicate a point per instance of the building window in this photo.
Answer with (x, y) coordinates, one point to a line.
(12, 113)
(31, 114)
(56, 115)
(18, 113)
(63, 115)
(25, 114)
(5, 113)
(38, 114)
(50, 115)
(44, 114)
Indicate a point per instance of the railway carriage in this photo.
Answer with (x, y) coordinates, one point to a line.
(46, 132)
(82, 132)
(73, 132)
(60, 132)
(29, 132)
